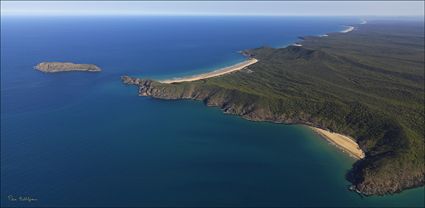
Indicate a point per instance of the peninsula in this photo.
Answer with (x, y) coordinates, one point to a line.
(366, 84)
(51, 67)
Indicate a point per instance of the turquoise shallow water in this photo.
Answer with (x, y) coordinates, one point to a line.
(85, 139)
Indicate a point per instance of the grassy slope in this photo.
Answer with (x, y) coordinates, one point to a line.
(368, 84)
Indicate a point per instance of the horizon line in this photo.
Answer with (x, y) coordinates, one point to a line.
(204, 14)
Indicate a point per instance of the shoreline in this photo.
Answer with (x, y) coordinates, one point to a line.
(235, 67)
(349, 29)
(215, 73)
(343, 142)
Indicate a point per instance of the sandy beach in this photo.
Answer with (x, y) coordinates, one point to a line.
(349, 29)
(344, 142)
(215, 73)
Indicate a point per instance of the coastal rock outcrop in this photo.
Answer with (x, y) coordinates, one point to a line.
(65, 67)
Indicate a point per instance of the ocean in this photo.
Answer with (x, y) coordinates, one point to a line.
(85, 139)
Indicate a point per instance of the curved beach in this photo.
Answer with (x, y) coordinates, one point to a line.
(215, 73)
(349, 29)
(344, 142)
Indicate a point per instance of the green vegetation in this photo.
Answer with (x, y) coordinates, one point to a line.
(368, 84)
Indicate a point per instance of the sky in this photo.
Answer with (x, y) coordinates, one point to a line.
(266, 8)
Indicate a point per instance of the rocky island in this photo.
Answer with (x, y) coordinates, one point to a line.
(367, 84)
(66, 67)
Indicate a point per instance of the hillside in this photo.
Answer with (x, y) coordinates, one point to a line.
(368, 84)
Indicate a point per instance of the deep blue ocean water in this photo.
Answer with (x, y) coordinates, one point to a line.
(85, 139)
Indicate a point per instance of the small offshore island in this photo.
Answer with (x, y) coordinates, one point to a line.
(51, 67)
(365, 83)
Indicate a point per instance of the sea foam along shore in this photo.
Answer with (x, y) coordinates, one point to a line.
(345, 143)
(214, 73)
(349, 29)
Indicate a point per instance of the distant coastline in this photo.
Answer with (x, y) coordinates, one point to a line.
(237, 66)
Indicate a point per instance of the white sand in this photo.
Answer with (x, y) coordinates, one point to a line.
(346, 143)
(349, 29)
(215, 73)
